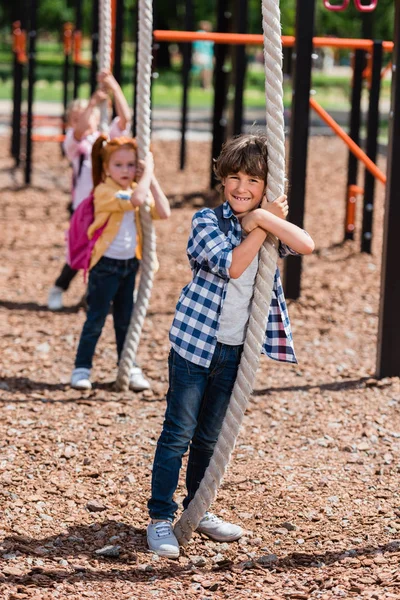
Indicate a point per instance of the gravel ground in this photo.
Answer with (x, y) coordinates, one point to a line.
(314, 477)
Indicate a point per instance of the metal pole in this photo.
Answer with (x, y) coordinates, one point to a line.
(77, 36)
(31, 83)
(299, 126)
(118, 39)
(354, 129)
(240, 66)
(95, 45)
(135, 69)
(388, 351)
(17, 96)
(371, 147)
(220, 87)
(186, 68)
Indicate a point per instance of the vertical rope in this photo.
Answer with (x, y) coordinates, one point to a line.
(105, 40)
(143, 119)
(243, 387)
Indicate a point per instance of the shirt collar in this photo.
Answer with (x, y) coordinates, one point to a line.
(227, 211)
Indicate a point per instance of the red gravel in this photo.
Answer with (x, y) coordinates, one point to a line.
(315, 476)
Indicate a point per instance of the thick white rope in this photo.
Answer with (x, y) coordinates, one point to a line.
(105, 41)
(243, 387)
(148, 263)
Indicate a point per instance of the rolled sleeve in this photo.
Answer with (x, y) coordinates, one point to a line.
(284, 250)
(208, 246)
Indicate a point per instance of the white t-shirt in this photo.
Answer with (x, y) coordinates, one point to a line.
(79, 153)
(123, 245)
(235, 312)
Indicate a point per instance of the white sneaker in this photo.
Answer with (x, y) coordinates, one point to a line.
(137, 381)
(80, 379)
(161, 539)
(219, 530)
(54, 299)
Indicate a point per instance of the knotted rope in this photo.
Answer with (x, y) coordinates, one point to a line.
(243, 387)
(105, 39)
(148, 263)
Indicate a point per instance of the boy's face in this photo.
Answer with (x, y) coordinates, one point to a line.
(243, 192)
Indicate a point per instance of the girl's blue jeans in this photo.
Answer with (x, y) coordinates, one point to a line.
(197, 400)
(111, 281)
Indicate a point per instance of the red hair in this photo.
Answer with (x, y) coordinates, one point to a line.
(102, 151)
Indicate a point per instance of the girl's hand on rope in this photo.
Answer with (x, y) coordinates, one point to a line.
(144, 165)
(98, 97)
(279, 207)
(107, 80)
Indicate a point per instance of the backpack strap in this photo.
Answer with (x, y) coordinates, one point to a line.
(223, 223)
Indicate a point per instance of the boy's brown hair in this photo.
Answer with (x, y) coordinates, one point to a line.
(247, 152)
(103, 149)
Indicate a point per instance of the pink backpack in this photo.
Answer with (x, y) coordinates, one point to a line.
(79, 247)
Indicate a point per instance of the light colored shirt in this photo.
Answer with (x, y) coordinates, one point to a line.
(79, 153)
(236, 308)
(123, 245)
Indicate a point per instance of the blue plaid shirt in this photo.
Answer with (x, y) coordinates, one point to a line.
(194, 329)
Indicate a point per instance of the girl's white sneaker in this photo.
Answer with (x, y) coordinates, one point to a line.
(80, 379)
(55, 298)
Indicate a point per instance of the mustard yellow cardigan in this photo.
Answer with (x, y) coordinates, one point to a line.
(108, 208)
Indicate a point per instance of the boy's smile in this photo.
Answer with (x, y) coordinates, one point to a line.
(244, 192)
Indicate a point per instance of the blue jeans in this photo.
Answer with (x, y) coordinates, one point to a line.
(110, 281)
(197, 400)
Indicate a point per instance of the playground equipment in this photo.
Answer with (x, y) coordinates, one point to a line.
(357, 3)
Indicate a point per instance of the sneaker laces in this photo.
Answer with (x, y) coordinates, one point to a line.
(209, 516)
(162, 529)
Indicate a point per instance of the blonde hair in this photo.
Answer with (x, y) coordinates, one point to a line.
(102, 151)
(77, 104)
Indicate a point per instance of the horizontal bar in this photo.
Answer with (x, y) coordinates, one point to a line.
(353, 147)
(36, 137)
(161, 35)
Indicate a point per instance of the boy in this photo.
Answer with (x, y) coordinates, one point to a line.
(209, 328)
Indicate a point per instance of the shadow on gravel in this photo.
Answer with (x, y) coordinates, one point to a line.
(24, 384)
(83, 541)
(78, 545)
(333, 386)
(35, 307)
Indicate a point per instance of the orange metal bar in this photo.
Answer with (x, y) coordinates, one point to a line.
(256, 39)
(352, 192)
(36, 137)
(67, 38)
(77, 46)
(19, 42)
(356, 150)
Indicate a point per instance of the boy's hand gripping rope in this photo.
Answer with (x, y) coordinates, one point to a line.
(105, 40)
(243, 387)
(143, 113)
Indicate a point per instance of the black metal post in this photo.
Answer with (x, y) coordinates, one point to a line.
(240, 65)
(221, 80)
(371, 147)
(31, 83)
(388, 351)
(354, 129)
(186, 67)
(78, 30)
(17, 97)
(95, 45)
(135, 69)
(299, 126)
(118, 39)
